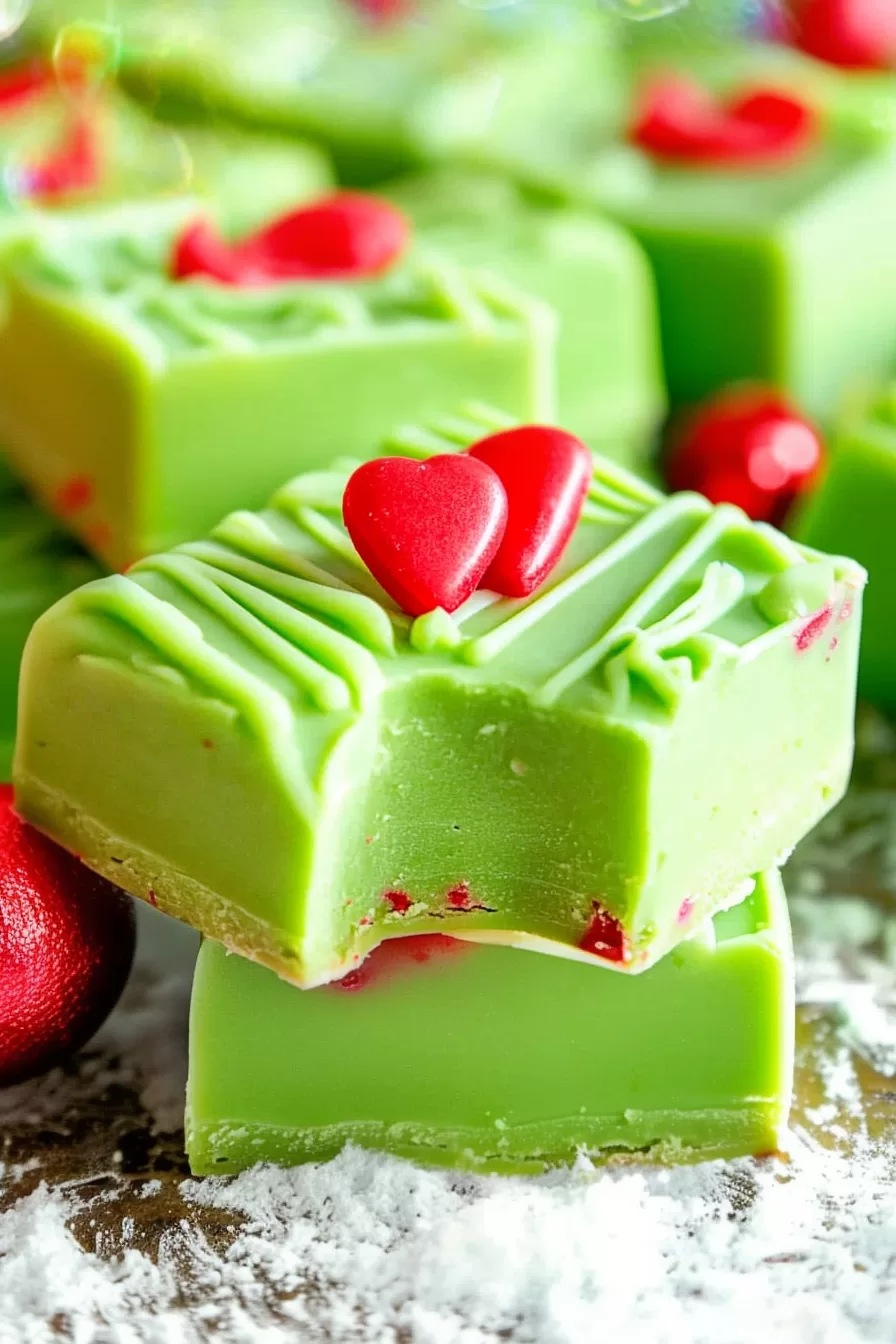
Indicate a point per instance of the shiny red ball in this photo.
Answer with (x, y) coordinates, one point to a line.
(66, 947)
(747, 446)
(854, 34)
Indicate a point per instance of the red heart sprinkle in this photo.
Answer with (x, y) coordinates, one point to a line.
(855, 34)
(427, 531)
(341, 237)
(546, 474)
(605, 936)
(73, 166)
(23, 82)
(680, 121)
(747, 446)
(200, 250)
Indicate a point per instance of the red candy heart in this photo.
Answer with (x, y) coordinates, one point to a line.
(681, 122)
(427, 531)
(345, 236)
(66, 946)
(747, 447)
(546, 474)
(20, 83)
(73, 166)
(855, 34)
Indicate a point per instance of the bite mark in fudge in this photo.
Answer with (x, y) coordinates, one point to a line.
(672, 732)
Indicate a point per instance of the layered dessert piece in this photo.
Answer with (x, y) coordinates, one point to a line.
(38, 565)
(68, 147)
(498, 1060)
(176, 400)
(249, 733)
(854, 507)
(609, 380)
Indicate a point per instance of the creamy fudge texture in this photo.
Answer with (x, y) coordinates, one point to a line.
(176, 401)
(609, 379)
(499, 1060)
(38, 564)
(248, 733)
(854, 506)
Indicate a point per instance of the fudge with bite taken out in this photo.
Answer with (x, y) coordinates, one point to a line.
(256, 736)
(491, 1059)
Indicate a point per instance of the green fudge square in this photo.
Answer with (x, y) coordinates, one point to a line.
(247, 732)
(244, 176)
(854, 506)
(450, 80)
(491, 1059)
(609, 378)
(38, 565)
(179, 401)
(784, 275)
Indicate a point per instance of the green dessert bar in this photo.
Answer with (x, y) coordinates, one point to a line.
(492, 1059)
(452, 80)
(38, 565)
(176, 401)
(243, 176)
(592, 273)
(854, 506)
(797, 273)
(248, 732)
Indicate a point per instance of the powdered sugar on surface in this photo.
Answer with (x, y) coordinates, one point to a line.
(367, 1248)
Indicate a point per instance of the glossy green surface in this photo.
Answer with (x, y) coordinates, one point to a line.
(247, 732)
(854, 507)
(496, 1059)
(242, 177)
(609, 379)
(180, 401)
(38, 564)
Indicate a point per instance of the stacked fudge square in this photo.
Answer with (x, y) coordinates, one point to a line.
(491, 880)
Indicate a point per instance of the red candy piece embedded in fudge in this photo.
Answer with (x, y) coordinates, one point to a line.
(681, 122)
(546, 473)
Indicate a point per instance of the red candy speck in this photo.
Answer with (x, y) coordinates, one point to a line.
(679, 121)
(345, 236)
(400, 901)
(854, 34)
(459, 897)
(685, 910)
(812, 629)
(382, 11)
(546, 473)
(76, 494)
(747, 446)
(400, 954)
(427, 531)
(604, 936)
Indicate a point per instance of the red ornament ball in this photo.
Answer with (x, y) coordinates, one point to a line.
(854, 34)
(66, 946)
(747, 446)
